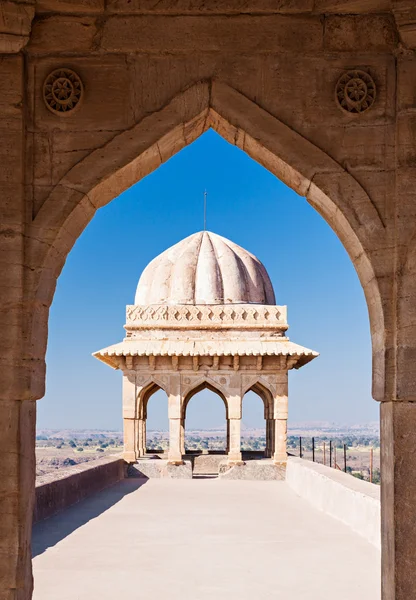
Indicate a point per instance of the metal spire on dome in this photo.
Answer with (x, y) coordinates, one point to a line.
(205, 210)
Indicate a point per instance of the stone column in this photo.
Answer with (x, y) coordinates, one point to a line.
(142, 436)
(234, 453)
(22, 365)
(398, 488)
(175, 420)
(175, 453)
(183, 436)
(130, 421)
(234, 411)
(280, 423)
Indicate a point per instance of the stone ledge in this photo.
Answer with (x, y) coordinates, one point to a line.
(57, 491)
(159, 468)
(260, 470)
(348, 499)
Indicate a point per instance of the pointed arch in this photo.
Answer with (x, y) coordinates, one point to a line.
(109, 170)
(204, 384)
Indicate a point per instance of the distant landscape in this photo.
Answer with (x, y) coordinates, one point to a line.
(63, 448)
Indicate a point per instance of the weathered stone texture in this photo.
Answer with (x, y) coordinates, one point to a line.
(156, 76)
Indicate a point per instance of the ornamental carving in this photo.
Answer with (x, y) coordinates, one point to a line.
(176, 317)
(355, 91)
(63, 92)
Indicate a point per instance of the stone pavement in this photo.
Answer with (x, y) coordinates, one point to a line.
(200, 540)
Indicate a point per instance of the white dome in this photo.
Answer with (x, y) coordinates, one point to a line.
(205, 268)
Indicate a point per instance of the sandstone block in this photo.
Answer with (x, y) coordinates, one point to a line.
(213, 7)
(368, 33)
(16, 18)
(211, 34)
(70, 6)
(62, 34)
(258, 470)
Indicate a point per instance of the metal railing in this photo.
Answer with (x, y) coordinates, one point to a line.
(333, 459)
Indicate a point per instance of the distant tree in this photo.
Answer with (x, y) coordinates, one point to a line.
(358, 475)
(59, 446)
(80, 449)
(99, 450)
(72, 444)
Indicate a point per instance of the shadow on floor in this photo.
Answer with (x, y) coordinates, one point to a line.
(49, 532)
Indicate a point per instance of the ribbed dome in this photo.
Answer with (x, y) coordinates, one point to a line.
(205, 268)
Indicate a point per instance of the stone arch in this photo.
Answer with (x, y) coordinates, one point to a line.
(265, 393)
(208, 384)
(129, 156)
(144, 395)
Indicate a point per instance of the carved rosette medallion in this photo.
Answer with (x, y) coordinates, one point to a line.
(63, 92)
(355, 91)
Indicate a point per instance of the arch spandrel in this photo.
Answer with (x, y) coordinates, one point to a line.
(108, 171)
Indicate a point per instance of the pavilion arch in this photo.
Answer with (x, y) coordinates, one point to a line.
(144, 396)
(204, 385)
(142, 401)
(265, 393)
(131, 155)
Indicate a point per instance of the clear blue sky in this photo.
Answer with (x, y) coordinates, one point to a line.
(309, 268)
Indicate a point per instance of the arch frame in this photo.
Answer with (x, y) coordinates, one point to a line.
(120, 163)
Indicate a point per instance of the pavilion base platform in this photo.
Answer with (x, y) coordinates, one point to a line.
(261, 470)
(158, 468)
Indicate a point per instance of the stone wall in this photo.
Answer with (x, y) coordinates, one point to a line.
(57, 491)
(353, 501)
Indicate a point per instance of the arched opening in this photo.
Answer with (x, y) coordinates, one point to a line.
(154, 412)
(204, 421)
(257, 433)
(108, 186)
(130, 156)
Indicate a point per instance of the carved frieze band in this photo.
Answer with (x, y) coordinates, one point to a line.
(204, 316)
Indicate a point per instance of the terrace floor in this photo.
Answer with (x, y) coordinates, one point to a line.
(201, 539)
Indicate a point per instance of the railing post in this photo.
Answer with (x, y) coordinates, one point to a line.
(330, 453)
(371, 465)
(313, 449)
(300, 447)
(324, 454)
(345, 458)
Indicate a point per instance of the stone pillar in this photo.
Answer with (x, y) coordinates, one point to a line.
(175, 452)
(175, 420)
(270, 437)
(280, 423)
(183, 436)
(130, 421)
(22, 365)
(141, 429)
(267, 438)
(234, 453)
(398, 488)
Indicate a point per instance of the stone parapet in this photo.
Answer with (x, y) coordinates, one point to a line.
(354, 502)
(57, 491)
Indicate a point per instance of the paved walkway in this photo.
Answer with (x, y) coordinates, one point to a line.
(200, 540)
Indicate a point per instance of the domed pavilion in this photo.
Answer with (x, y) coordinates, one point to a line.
(205, 316)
